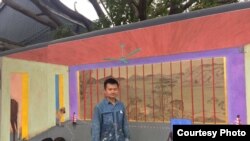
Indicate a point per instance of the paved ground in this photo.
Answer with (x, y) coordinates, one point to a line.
(139, 132)
(80, 133)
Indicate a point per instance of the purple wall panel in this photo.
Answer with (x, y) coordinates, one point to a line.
(236, 87)
(73, 102)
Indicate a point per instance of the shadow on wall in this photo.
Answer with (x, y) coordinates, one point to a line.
(13, 117)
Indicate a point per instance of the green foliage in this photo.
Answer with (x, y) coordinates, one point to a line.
(119, 13)
(201, 4)
(63, 31)
(157, 9)
(102, 22)
(122, 12)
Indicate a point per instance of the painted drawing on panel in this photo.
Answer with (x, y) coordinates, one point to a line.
(193, 89)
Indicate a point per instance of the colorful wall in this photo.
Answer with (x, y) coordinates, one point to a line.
(0, 93)
(33, 84)
(210, 32)
(234, 78)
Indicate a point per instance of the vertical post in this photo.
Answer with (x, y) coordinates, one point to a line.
(182, 110)
(214, 106)
(128, 104)
(97, 85)
(162, 96)
(152, 68)
(192, 91)
(120, 92)
(202, 88)
(135, 95)
(144, 94)
(84, 94)
(172, 94)
(90, 91)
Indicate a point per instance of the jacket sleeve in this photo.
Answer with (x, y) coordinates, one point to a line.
(96, 125)
(125, 125)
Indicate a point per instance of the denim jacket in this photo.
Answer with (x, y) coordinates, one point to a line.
(109, 122)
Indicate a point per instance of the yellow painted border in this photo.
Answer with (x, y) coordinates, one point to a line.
(247, 80)
(225, 88)
(25, 106)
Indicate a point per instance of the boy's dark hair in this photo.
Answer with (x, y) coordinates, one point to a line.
(110, 81)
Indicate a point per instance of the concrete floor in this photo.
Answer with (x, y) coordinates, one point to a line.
(139, 132)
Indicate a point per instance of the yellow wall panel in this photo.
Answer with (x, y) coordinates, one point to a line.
(25, 106)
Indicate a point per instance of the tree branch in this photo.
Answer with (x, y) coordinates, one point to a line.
(97, 8)
(134, 6)
(76, 16)
(173, 8)
(28, 13)
(46, 11)
(108, 13)
(134, 3)
(188, 4)
(142, 8)
(149, 2)
(105, 8)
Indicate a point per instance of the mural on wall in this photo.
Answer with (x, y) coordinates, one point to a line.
(193, 89)
(19, 106)
(13, 118)
(59, 97)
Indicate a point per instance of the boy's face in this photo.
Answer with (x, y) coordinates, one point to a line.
(111, 91)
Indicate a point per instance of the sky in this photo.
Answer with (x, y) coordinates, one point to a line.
(83, 6)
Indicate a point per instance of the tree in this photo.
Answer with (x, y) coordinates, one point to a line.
(114, 12)
(127, 11)
(63, 31)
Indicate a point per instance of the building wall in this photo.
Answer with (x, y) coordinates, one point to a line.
(247, 70)
(41, 94)
(0, 95)
(215, 31)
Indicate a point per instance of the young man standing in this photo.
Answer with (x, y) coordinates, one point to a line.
(109, 121)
